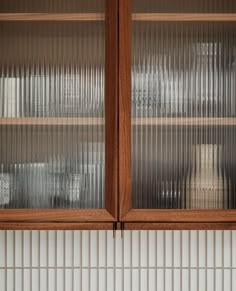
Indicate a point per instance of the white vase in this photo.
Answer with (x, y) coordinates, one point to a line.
(205, 188)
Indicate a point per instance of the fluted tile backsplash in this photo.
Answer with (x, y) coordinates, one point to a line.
(142, 260)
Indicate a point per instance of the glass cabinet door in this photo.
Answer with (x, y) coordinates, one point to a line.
(182, 116)
(55, 104)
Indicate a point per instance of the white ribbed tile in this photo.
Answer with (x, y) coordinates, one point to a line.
(27, 248)
(110, 249)
(18, 249)
(36, 280)
(152, 248)
(51, 279)
(68, 249)
(60, 249)
(127, 249)
(160, 248)
(10, 280)
(202, 248)
(118, 282)
(185, 249)
(233, 280)
(2, 249)
(202, 280)
(176, 243)
(51, 261)
(185, 279)
(43, 249)
(94, 238)
(43, 280)
(210, 279)
(68, 279)
(152, 280)
(177, 280)
(168, 279)
(144, 279)
(210, 249)
(135, 249)
(51, 248)
(227, 249)
(102, 249)
(160, 279)
(77, 280)
(135, 280)
(143, 248)
(77, 248)
(233, 249)
(169, 248)
(93, 280)
(2, 279)
(193, 280)
(227, 280)
(18, 280)
(10, 249)
(60, 280)
(219, 281)
(218, 248)
(102, 280)
(110, 280)
(193, 248)
(27, 280)
(85, 250)
(35, 248)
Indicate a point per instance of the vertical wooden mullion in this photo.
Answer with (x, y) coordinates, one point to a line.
(125, 199)
(111, 108)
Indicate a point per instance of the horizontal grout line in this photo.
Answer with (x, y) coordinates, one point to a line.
(117, 268)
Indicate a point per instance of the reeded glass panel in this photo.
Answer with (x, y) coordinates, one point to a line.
(183, 110)
(52, 106)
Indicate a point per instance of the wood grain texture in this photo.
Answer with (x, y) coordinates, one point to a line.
(52, 16)
(55, 226)
(186, 121)
(52, 121)
(209, 17)
(180, 226)
(55, 215)
(195, 216)
(111, 107)
(125, 202)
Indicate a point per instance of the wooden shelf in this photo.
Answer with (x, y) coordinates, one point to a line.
(52, 16)
(187, 121)
(184, 17)
(52, 121)
(207, 17)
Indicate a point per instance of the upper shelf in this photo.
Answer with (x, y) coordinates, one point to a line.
(184, 17)
(186, 121)
(52, 16)
(93, 121)
(52, 121)
(101, 17)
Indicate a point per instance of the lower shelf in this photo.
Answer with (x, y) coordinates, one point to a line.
(52, 121)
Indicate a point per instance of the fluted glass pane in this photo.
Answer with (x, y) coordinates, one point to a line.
(52, 106)
(183, 108)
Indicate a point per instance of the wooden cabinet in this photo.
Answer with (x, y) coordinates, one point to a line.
(177, 114)
(117, 113)
(58, 114)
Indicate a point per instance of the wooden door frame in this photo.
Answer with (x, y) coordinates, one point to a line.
(148, 218)
(77, 218)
